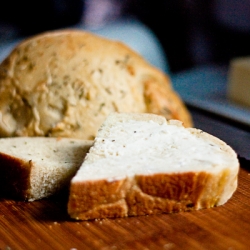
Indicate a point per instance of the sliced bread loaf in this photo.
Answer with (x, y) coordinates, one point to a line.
(34, 168)
(142, 164)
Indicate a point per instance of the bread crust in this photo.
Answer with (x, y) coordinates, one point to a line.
(17, 172)
(65, 83)
(145, 195)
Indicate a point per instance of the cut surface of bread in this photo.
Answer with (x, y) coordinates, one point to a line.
(64, 83)
(34, 168)
(142, 164)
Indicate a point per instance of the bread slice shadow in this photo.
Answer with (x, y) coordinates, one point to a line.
(51, 209)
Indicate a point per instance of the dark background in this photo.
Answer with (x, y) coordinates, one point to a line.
(187, 29)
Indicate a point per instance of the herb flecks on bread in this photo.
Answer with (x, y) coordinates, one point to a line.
(64, 83)
(142, 164)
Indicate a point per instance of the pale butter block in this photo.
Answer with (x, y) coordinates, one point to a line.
(239, 81)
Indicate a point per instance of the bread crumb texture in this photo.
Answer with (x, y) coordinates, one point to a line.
(34, 168)
(142, 164)
(65, 83)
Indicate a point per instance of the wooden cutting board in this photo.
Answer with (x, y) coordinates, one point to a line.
(45, 225)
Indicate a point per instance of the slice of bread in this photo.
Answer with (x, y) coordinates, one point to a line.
(142, 164)
(34, 168)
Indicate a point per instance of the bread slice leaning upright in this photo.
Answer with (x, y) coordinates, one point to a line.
(33, 168)
(142, 164)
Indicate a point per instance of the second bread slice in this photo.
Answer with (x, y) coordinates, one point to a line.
(142, 164)
(33, 168)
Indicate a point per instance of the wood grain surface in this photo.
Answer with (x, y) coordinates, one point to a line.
(46, 225)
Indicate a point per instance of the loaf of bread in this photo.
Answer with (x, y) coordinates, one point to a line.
(34, 168)
(141, 164)
(65, 82)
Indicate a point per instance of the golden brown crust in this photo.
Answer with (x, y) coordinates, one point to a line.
(164, 185)
(94, 193)
(65, 83)
(100, 198)
(162, 100)
(111, 210)
(144, 195)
